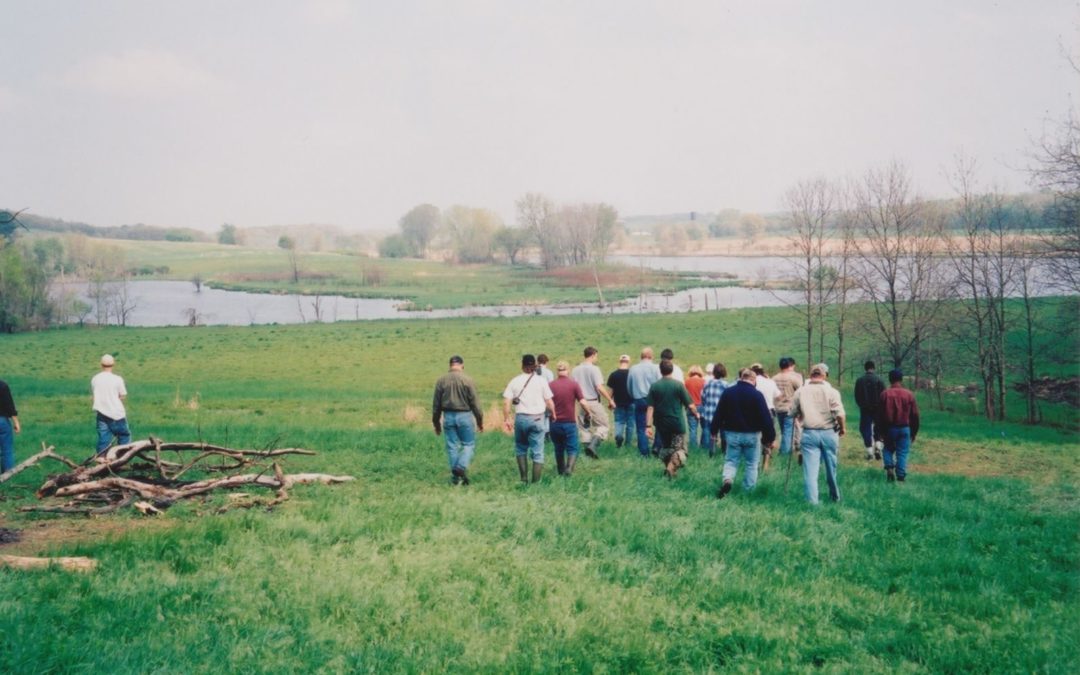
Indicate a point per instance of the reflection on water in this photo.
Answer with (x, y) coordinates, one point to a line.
(171, 303)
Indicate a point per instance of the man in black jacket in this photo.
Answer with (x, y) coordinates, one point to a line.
(868, 390)
(744, 418)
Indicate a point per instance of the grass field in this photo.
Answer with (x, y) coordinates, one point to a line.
(970, 567)
(426, 284)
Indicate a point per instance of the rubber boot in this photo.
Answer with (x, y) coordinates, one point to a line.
(590, 447)
(560, 462)
(570, 462)
(523, 468)
(538, 469)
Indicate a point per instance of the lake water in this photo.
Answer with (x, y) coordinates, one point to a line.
(169, 303)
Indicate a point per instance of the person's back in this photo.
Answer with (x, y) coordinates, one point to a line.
(786, 381)
(565, 393)
(618, 382)
(642, 375)
(456, 392)
(868, 390)
(108, 389)
(669, 398)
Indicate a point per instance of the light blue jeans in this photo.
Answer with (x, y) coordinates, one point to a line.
(624, 424)
(706, 435)
(7, 445)
(787, 431)
(819, 445)
(107, 428)
(529, 437)
(692, 431)
(897, 446)
(745, 447)
(459, 430)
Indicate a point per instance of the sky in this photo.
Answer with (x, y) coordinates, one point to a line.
(264, 112)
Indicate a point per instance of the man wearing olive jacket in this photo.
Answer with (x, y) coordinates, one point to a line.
(452, 410)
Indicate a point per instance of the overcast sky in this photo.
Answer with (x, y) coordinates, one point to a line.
(260, 112)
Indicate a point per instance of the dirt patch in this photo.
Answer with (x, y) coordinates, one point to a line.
(42, 537)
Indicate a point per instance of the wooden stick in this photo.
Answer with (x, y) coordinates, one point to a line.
(70, 564)
(29, 462)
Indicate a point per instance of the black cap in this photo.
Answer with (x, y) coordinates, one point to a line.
(896, 375)
(456, 359)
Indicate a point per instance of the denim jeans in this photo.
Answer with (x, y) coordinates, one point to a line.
(529, 437)
(564, 436)
(624, 424)
(692, 431)
(459, 430)
(7, 445)
(107, 428)
(819, 445)
(866, 427)
(787, 431)
(745, 447)
(706, 435)
(641, 406)
(897, 446)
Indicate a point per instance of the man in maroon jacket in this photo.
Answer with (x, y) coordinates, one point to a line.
(897, 425)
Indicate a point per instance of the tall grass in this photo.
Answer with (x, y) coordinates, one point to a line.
(969, 567)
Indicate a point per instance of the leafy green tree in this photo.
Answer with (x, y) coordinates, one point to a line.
(512, 241)
(394, 246)
(418, 226)
(228, 235)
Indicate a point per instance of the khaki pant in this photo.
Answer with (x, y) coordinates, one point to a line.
(594, 424)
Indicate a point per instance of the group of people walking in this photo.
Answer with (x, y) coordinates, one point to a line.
(666, 414)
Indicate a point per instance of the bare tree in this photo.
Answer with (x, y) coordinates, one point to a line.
(123, 303)
(897, 269)
(1057, 170)
(536, 213)
(812, 204)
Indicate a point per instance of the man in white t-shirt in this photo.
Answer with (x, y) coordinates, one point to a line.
(592, 419)
(531, 396)
(770, 391)
(109, 394)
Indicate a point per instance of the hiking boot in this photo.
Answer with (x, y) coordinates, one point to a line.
(618, 441)
(724, 490)
(901, 479)
(890, 475)
(878, 447)
(870, 454)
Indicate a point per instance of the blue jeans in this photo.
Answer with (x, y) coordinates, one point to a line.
(745, 447)
(7, 445)
(866, 427)
(107, 427)
(819, 445)
(565, 438)
(624, 424)
(692, 431)
(529, 437)
(641, 405)
(459, 429)
(706, 435)
(787, 431)
(897, 446)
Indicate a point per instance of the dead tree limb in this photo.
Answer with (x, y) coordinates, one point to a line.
(31, 461)
(76, 564)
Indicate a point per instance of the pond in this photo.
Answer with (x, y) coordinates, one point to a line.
(171, 303)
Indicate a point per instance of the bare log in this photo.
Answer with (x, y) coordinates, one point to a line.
(76, 564)
(31, 461)
(150, 491)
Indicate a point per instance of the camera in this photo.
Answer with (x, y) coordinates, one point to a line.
(515, 400)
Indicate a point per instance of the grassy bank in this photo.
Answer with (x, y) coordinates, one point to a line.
(971, 566)
(424, 283)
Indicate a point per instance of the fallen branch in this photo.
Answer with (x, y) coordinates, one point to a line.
(46, 453)
(137, 470)
(70, 564)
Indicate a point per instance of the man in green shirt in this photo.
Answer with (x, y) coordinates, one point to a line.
(667, 398)
(453, 409)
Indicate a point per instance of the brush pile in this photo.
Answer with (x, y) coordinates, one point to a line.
(152, 475)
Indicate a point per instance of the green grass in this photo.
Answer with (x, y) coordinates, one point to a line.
(970, 567)
(426, 284)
